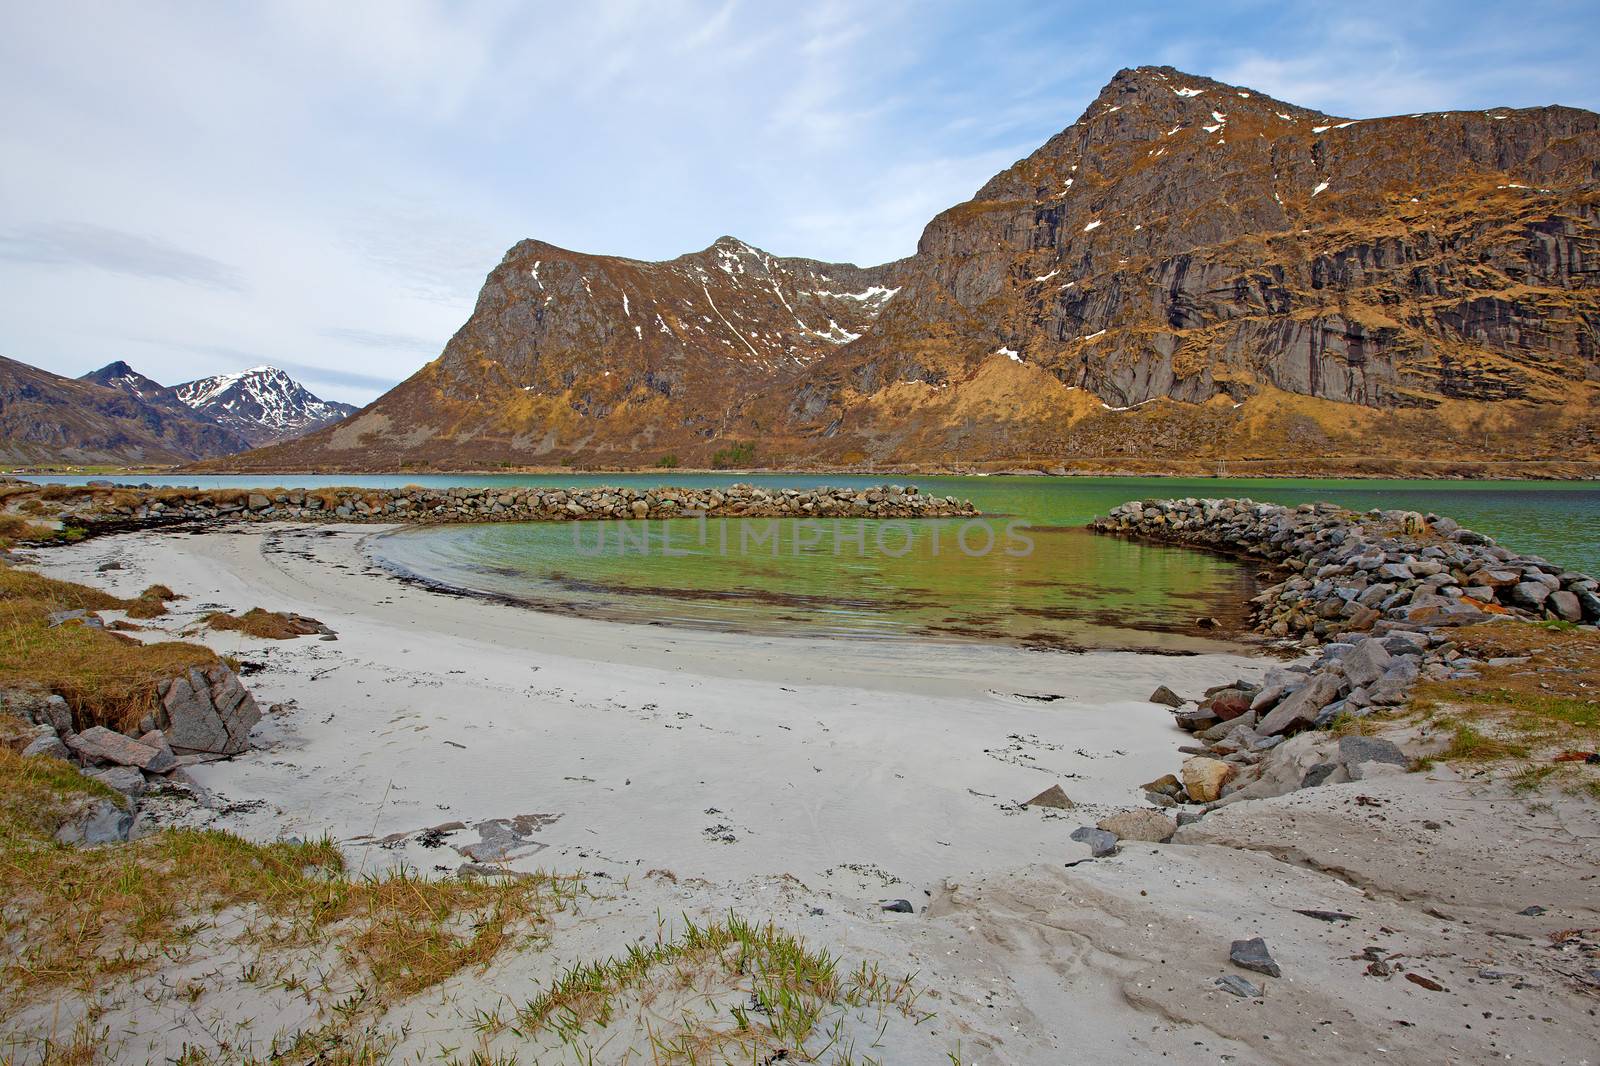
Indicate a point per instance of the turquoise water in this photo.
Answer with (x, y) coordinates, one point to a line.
(1027, 573)
(1557, 519)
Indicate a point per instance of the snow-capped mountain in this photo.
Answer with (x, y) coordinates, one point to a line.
(263, 404)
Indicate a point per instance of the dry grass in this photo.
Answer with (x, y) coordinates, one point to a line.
(1534, 719)
(106, 678)
(15, 529)
(268, 625)
(81, 917)
(151, 603)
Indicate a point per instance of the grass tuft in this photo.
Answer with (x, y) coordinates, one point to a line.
(268, 625)
(107, 678)
(78, 917)
(780, 992)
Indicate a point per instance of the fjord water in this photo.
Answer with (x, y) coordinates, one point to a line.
(1070, 589)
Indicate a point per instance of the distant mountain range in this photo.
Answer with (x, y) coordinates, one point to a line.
(1191, 270)
(117, 416)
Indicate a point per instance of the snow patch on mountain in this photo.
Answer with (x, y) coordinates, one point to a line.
(263, 402)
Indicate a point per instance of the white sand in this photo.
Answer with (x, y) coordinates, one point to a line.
(815, 753)
(845, 773)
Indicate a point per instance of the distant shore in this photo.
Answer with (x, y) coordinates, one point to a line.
(1339, 468)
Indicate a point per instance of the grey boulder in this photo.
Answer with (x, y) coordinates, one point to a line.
(208, 711)
(98, 821)
(50, 745)
(124, 779)
(1101, 843)
(1367, 662)
(1299, 709)
(99, 744)
(1369, 757)
(1252, 954)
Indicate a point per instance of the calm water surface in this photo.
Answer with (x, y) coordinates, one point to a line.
(1026, 573)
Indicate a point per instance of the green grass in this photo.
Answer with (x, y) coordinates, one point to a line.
(783, 993)
(78, 917)
(1468, 743)
(738, 454)
(1535, 711)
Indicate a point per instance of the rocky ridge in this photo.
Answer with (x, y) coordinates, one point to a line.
(1376, 594)
(116, 416)
(263, 405)
(1191, 270)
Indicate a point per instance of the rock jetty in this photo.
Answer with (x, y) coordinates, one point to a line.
(103, 507)
(1375, 596)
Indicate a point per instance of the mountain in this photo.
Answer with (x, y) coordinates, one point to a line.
(119, 375)
(118, 416)
(617, 357)
(263, 404)
(1191, 271)
(49, 419)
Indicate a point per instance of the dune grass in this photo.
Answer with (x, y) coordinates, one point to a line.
(80, 917)
(107, 678)
(759, 992)
(1534, 716)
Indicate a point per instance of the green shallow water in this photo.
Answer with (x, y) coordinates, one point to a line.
(1070, 589)
(1041, 586)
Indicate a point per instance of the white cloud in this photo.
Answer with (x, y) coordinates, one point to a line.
(191, 186)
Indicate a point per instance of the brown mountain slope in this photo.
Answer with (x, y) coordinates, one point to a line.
(49, 419)
(613, 358)
(1190, 271)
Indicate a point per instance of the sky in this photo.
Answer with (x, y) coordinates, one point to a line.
(198, 188)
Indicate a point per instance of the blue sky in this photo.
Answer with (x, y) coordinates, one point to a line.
(198, 188)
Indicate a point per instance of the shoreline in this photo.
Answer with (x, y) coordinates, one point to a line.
(810, 780)
(828, 693)
(1581, 470)
(1175, 641)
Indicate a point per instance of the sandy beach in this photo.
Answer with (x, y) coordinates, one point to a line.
(636, 742)
(807, 781)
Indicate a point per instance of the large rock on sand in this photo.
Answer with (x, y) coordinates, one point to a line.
(97, 744)
(1203, 778)
(208, 711)
(1166, 697)
(1147, 825)
(1053, 796)
(1299, 709)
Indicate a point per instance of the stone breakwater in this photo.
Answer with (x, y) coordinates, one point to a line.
(103, 507)
(1375, 595)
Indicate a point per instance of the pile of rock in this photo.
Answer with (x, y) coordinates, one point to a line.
(202, 715)
(100, 508)
(1375, 595)
(1377, 571)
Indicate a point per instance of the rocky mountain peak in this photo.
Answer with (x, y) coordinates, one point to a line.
(119, 375)
(1168, 93)
(1186, 249)
(263, 404)
(117, 369)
